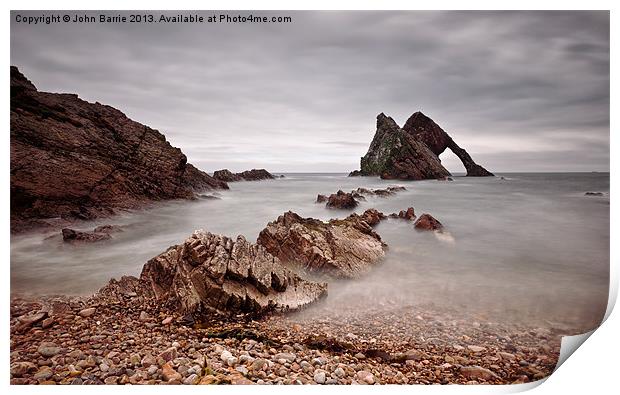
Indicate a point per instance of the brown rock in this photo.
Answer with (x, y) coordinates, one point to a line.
(72, 159)
(408, 214)
(214, 273)
(48, 349)
(87, 312)
(169, 374)
(341, 200)
(372, 216)
(321, 198)
(248, 175)
(168, 354)
(427, 222)
(19, 369)
(344, 248)
(47, 323)
(226, 175)
(70, 235)
(26, 321)
(477, 372)
(108, 229)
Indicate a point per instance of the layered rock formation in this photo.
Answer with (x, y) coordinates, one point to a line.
(248, 175)
(71, 159)
(411, 152)
(344, 248)
(213, 273)
(433, 136)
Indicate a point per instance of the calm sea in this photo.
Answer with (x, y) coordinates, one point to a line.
(529, 246)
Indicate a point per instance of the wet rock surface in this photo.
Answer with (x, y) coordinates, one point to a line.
(248, 175)
(341, 200)
(70, 236)
(213, 273)
(428, 222)
(75, 160)
(411, 152)
(340, 248)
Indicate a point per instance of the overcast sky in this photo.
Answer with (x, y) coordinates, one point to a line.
(521, 91)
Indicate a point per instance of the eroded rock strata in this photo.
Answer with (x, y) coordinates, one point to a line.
(211, 272)
(433, 136)
(412, 152)
(71, 159)
(340, 248)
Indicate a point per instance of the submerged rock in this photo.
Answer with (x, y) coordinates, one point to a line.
(248, 175)
(344, 248)
(408, 214)
(321, 198)
(428, 222)
(594, 194)
(214, 273)
(350, 200)
(108, 229)
(70, 235)
(372, 216)
(102, 232)
(341, 200)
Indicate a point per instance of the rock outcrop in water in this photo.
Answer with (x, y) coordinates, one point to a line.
(71, 159)
(428, 222)
(214, 273)
(341, 200)
(345, 248)
(248, 175)
(408, 214)
(100, 233)
(350, 200)
(411, 152)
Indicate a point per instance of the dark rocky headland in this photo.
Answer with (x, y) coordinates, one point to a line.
(72, 160)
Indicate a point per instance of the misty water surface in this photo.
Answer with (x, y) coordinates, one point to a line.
(531, 246)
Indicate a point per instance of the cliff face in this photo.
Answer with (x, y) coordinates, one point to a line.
(71, 159)
(412, 152)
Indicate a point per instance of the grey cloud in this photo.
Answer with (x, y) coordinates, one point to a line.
(304, 96)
